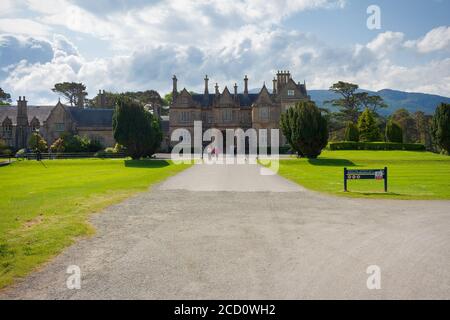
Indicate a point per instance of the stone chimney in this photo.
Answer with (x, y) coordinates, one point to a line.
(206, 92)
(274, 89)
(174, 87)
(217, 89)
(22, 123)
(282, 79)
(246, 85)
(235, 91)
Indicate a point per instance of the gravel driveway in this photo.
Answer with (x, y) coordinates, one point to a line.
(226, 232)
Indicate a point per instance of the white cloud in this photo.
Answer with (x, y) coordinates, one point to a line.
(225, 40)
(435, 40)
(23, 27)
(386, 43)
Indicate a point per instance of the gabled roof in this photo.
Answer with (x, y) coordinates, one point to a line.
(91, 117)
(40, 112)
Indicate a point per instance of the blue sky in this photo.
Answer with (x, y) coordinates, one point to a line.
(123, 45)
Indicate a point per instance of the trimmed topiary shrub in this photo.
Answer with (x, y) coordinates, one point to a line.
(352, 132)
(305, 129)
(440, 129)
(394, 132)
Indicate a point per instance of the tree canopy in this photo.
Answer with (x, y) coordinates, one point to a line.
(74, 93)
(5, 98)
(352, 102)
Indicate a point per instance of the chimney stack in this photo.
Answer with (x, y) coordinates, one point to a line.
(274, 86)
(235, 90)
(246, 85)
(174, 87)
(206, 86)
(217, 89)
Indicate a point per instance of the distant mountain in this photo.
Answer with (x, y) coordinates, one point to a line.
(394, 99)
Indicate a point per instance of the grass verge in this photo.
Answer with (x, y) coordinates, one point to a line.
(412, 175)
(45, 206)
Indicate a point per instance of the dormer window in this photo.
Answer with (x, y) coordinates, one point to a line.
(291, 93)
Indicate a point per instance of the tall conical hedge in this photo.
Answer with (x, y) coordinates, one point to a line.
(368, 128)
(394, 132)
(305, 129)
(440, 129)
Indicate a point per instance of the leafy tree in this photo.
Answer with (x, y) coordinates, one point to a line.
(423, 124)
(371, 102)
(394, 132)
(440, 129)
(146, 97)
(5, 98)
(37, 143)
(75, 93)
(351, 132)
(305, 129)
(408, 125)
(136, 129)
(168, 98)
(368, 128)
(109, 102)
(349, 104)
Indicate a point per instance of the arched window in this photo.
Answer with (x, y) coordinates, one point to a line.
(7, 127)
(35, 124)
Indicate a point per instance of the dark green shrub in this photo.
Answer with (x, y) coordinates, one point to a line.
(394, 132)
(352, 132)
(305, 129)
(136, 129)
(92, 145)
(376, 146)
(440, 128)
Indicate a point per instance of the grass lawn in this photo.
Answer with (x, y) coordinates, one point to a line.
(411, 175)
(44, 206)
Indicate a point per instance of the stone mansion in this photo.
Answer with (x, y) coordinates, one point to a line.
(233, 110)
(221, 110)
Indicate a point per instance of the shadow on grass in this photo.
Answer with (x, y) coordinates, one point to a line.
(146, 163)
(375, 194)
(331, 162)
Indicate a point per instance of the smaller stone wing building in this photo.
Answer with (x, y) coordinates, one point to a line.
(17, 123)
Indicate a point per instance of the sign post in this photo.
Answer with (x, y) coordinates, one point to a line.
(368, 174)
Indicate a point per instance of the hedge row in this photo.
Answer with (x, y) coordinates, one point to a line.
(376, 146)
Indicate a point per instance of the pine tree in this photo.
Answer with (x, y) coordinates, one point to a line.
(368, 128)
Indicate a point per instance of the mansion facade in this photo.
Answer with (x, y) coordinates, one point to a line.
(233, 110)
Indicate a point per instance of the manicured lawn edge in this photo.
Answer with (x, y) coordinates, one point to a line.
(38, 240)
